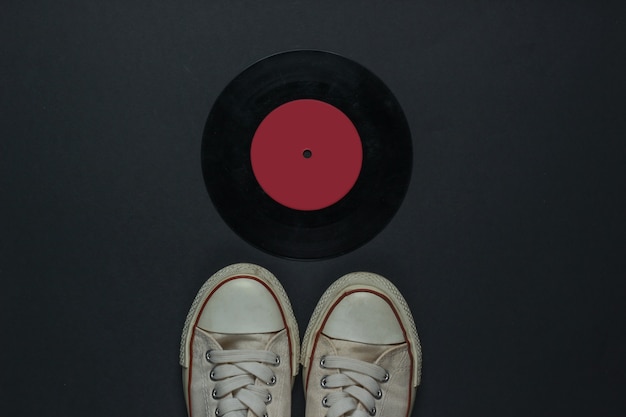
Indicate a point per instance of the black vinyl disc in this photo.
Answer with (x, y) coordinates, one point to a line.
(306, 154)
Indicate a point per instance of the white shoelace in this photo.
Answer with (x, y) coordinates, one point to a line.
(359, 381)
(235, 373)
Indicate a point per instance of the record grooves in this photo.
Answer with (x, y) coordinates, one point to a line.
(285, 114)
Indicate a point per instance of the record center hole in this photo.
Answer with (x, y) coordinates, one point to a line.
(307, 153)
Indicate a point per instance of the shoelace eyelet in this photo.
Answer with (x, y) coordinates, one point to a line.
(373, 411)
(207, 355)
(214, 394)
(325, 402)
(323, 382)
(268, 399)
(379, 395)
(277, 361)
(386, 377)
(212, 375)
(272, 380)
(323, 362)
(217, 412)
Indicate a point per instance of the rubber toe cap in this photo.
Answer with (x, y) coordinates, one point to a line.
(364, 317)
(241, 306)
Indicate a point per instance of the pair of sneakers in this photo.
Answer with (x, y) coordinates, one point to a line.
(240, 348)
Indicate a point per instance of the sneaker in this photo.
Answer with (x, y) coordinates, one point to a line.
(361, 355)
(240, 346)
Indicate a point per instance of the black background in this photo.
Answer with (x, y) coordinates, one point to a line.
(509, 246)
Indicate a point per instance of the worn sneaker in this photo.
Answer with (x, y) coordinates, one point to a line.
(361, 353)
(240, 346)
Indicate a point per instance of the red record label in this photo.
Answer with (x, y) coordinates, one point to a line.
(306, 154)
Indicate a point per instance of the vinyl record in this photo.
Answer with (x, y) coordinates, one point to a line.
(306, 154)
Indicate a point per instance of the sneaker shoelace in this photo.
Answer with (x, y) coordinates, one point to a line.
(360, 382)
(235, 373)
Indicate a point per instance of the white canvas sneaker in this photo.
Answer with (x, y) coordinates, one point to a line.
(361, 353)
(240, 346)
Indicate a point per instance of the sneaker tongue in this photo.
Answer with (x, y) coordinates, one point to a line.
(358, 350)
(253, 341)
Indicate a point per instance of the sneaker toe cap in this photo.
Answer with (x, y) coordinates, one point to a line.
(364, 317)
(241, 306)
